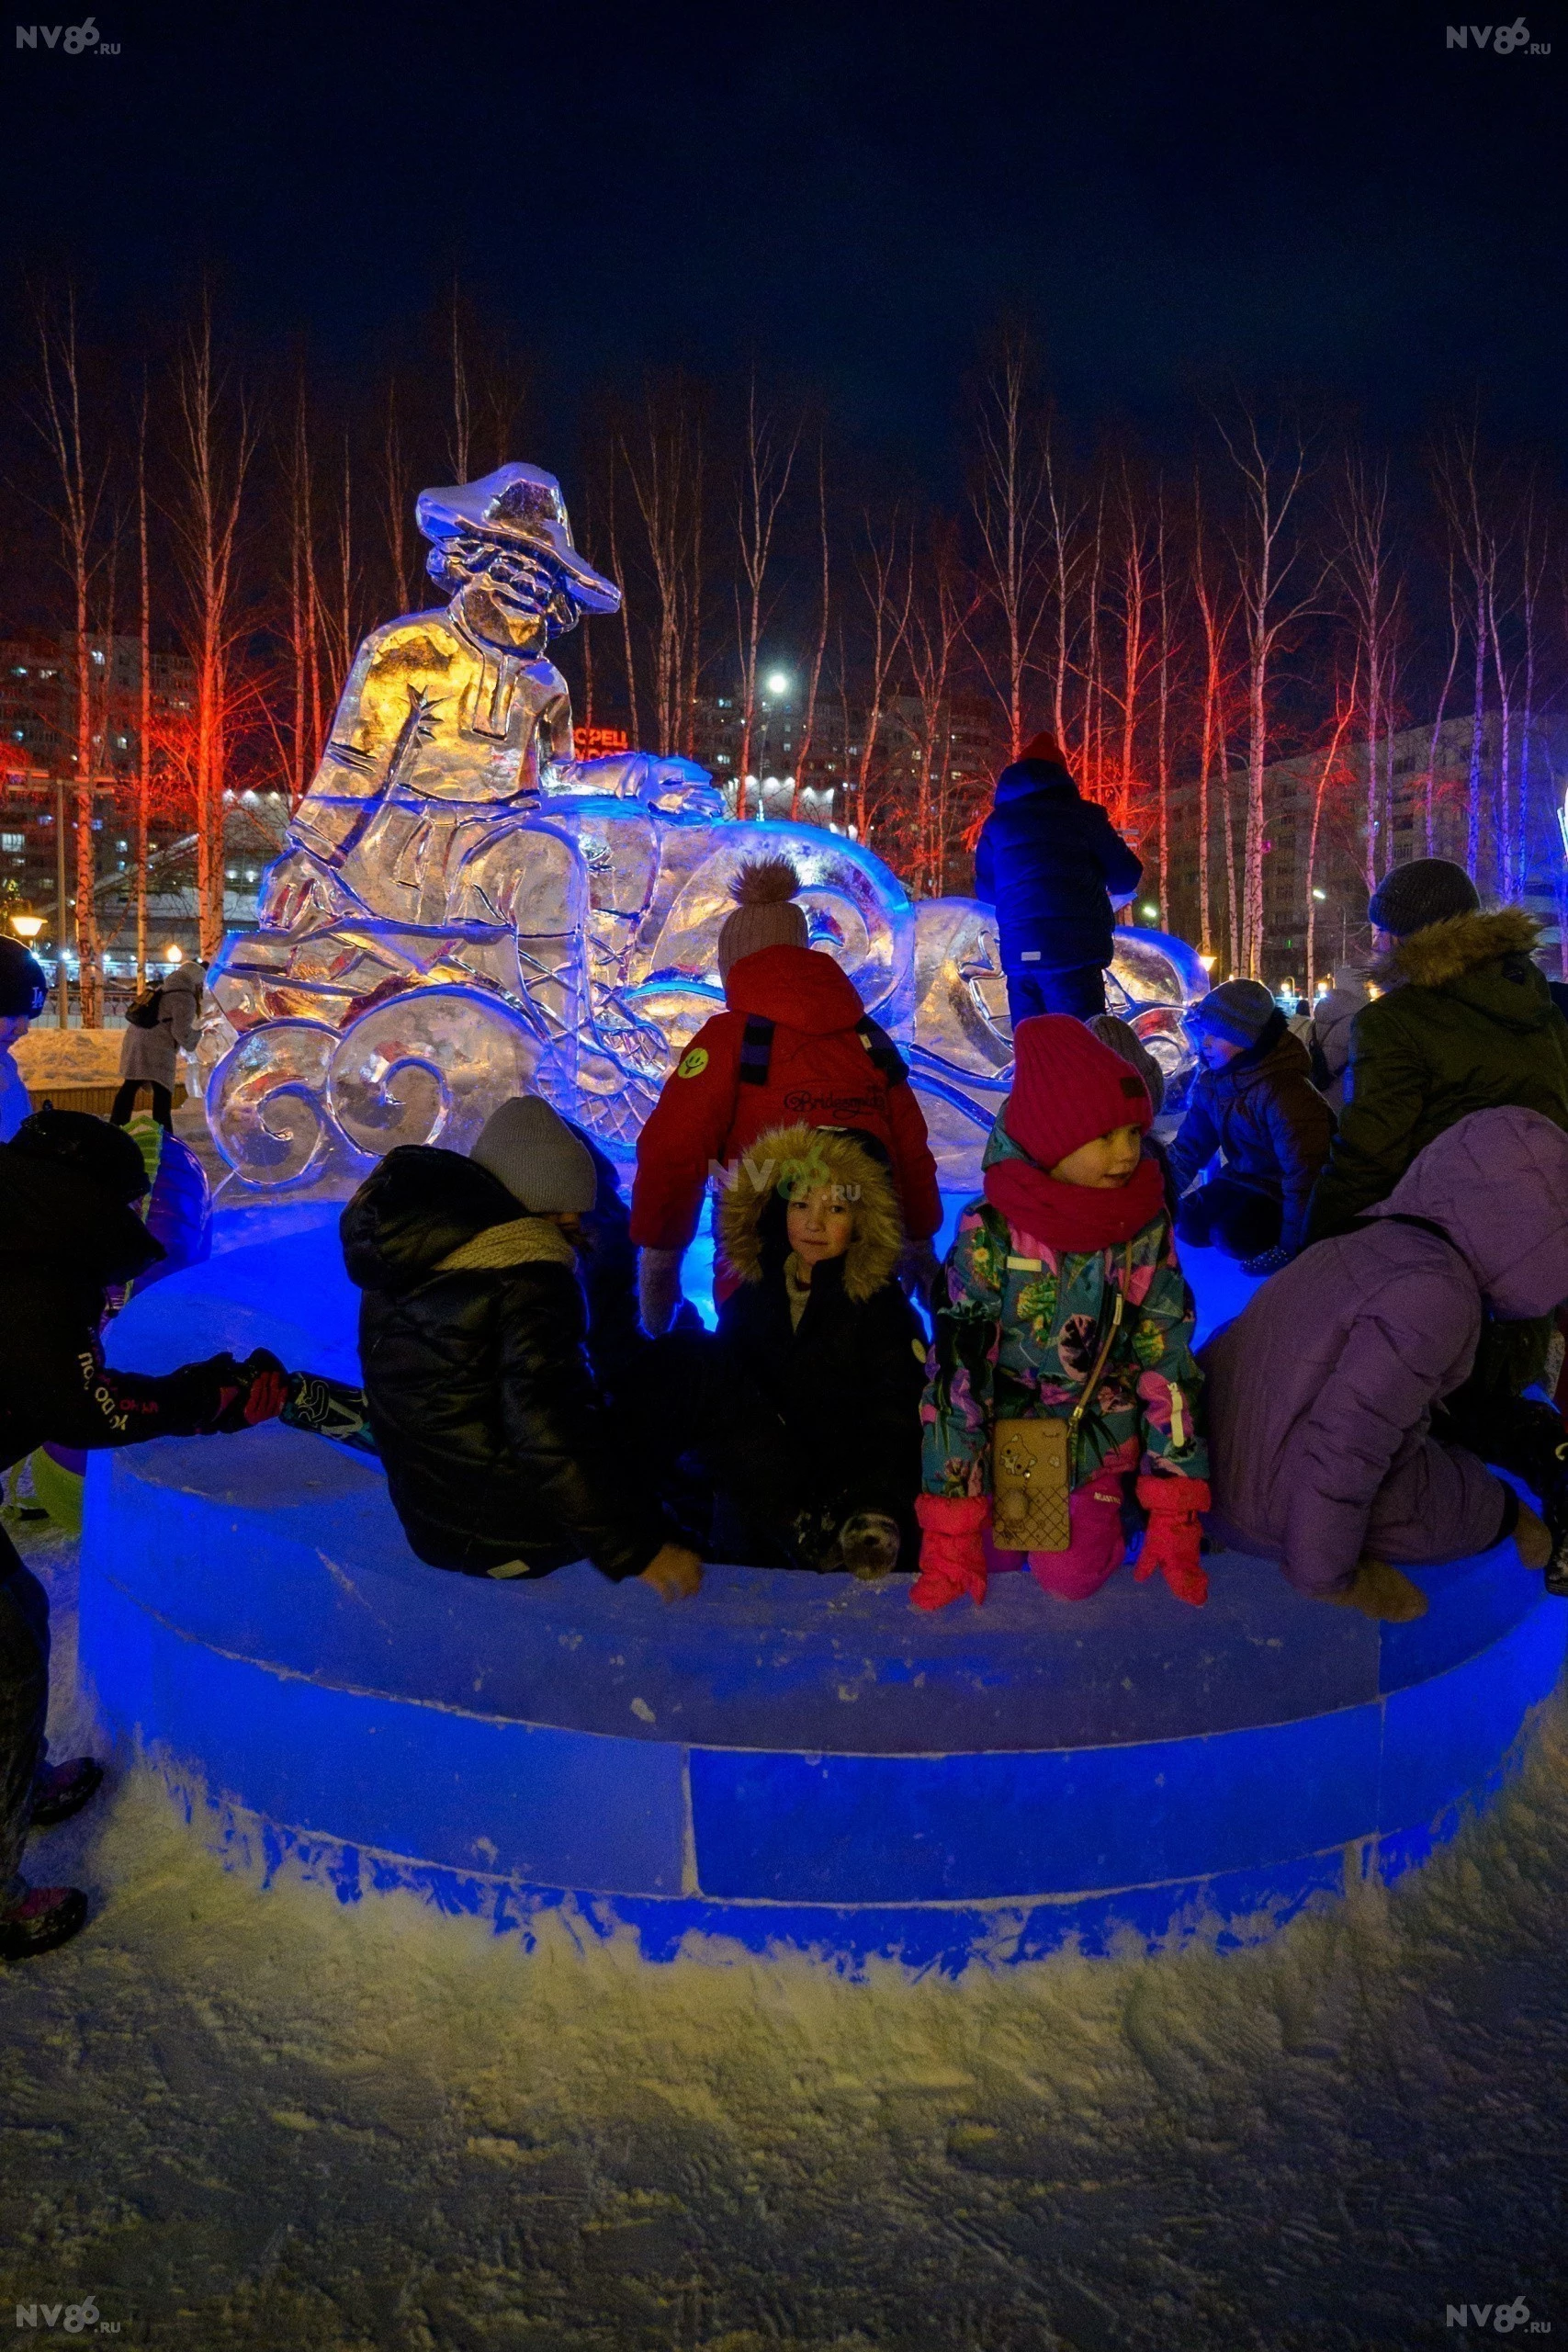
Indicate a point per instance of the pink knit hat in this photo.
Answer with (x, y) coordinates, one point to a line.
(1068, 1088)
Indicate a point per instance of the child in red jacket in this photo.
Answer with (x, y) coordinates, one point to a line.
(794, 1048)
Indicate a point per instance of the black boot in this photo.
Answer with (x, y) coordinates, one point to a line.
(62, 1790)
(35, 1918)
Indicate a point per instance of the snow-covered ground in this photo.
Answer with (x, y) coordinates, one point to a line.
(260, 2120)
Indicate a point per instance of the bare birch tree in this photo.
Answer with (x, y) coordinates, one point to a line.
(1009, 489)
(215, 442)
(81, 488)
(886, 570)
(819, 646)
(1266, 561)
(766, 465)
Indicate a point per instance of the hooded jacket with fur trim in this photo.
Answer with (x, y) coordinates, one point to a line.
(820, 1071)
(845, 1382)
(1467, 1024)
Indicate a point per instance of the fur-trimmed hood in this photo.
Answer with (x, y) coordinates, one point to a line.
(1450, 950)
(751, 1235)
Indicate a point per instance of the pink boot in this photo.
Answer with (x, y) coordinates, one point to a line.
(1096, 1551)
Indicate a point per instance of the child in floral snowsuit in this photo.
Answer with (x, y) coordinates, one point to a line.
(1073, 1223)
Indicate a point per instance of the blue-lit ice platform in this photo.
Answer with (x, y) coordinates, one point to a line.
(785, 1760)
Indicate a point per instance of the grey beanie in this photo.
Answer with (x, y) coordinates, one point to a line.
(1427, 890)
(1124, 1040)
(537, 1157)
(765, 913)
(1238, 1011)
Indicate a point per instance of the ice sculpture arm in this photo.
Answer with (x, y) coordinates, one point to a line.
(557, 1429)
(686, 1131)
(668, 787)
(914, 1170)
(1197, 1140)
(1170, 1380)
(956, 1409)
(376, 710)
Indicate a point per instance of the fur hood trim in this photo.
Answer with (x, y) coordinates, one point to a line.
(1446, 951)
(788, 1158)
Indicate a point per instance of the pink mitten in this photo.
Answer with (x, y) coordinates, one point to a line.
(1172, 1543)
(953, 1552)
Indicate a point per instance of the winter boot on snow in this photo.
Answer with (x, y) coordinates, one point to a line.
(1382, 1592)
(62, 1790)
(33, 1920)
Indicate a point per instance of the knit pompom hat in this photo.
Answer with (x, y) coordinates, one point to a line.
(765, 913)
(535, 1154)
(1238, 1011)
(1427, 890)
(1067, 1088)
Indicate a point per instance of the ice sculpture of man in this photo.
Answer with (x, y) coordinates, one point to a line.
(450, 719)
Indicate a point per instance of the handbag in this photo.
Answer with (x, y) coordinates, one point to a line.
(1033, 1461)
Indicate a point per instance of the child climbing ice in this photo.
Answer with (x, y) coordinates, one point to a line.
(1063, 1360)
(794, 1045)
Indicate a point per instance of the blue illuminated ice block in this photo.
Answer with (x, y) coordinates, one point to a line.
(786, 1761)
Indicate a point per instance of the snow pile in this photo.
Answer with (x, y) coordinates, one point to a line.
(50, 1057)
(248, 2120)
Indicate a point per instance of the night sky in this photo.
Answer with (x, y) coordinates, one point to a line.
(1321, 199)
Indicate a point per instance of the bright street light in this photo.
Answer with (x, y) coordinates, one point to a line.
(777, 682)
(1320, 894)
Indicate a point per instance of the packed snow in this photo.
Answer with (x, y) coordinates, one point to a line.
(246, 2119)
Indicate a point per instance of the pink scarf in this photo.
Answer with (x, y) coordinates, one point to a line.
(1079, 1219)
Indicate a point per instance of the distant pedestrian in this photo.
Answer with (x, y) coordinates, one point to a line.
(1054, 867)
(1328, 1038)
(163, 1023)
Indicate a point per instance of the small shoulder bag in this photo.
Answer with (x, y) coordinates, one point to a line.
(1033, 1461)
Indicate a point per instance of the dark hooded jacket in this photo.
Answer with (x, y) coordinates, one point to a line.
(1321, 1393)
(64, 1241)
(1050, 863)
(843, 1386)
(1466, 1023)
(1264, 1113)
(473, 1332)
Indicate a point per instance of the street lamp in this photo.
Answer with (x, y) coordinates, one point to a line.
(27, 925)
(777, 682)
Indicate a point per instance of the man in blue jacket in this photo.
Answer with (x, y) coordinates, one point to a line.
(1053, 867)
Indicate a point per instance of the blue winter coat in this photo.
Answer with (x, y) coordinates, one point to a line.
(1049, 862)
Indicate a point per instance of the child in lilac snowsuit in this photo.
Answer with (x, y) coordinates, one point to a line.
(1321, 1394)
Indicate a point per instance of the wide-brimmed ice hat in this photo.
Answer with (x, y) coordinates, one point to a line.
(517, 506)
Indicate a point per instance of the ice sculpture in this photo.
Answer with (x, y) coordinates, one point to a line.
(463, 909)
